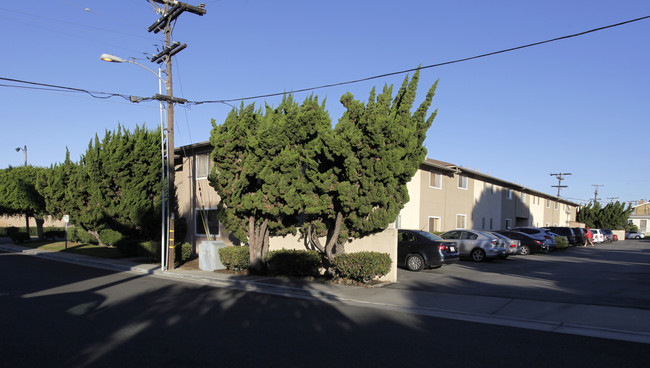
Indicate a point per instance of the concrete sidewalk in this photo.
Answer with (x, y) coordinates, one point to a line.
(627, 324)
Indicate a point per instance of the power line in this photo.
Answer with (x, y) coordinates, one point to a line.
(53, 87)
(427, 66)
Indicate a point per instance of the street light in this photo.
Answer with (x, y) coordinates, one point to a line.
(165, 168)
(24, 149)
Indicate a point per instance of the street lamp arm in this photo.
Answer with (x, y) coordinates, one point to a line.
(116, 59)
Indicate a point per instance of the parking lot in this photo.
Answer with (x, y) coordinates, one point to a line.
(609, 274)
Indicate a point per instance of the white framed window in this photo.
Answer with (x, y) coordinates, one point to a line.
(508, 223)
(462, 181)
(435, 180)
(434, 224)
(509, 194)
(557, 205)
(202, 166)
(523, 197)
(206, 222)
(548, 203)
(461, 221)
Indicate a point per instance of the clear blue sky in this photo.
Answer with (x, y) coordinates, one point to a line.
(580, 105)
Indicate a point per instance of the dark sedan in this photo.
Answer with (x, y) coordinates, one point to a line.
(417, 250)
(529, 244)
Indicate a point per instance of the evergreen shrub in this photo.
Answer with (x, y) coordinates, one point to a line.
(294, 262)
(110, 237)
(362, 266)
(149, 248)
(235, 257)
(183, 252)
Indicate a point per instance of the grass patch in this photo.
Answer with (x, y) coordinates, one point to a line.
(86, 249)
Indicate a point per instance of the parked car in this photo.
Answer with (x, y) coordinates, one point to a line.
(477, 245)
(513, 246)
(598, 235)
(417, 250)
(634, 235)
(565, 231)
(580, 236)
(539, 234)
(528, 244)
(609, 235)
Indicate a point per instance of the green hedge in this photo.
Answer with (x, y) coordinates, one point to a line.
(294, 262)
(235, 257)
(110, 237)
(362, 266)
(183, 252)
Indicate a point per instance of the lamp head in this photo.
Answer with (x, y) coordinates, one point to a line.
(111, 58)
(17, 149)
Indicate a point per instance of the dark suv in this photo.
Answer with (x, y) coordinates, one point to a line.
(580, 235)
(564, 231)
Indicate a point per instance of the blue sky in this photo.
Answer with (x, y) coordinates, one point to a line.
(580, 105)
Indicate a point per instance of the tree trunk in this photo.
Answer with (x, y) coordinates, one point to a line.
(257, 237)
(39, 226)
(333, 237)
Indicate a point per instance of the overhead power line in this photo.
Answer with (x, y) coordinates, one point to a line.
(53, 87)
(429, 66)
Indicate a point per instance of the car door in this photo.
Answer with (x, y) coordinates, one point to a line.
(467, 242)
(405, 241)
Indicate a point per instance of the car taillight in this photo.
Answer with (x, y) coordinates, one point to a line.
(443, 247)
(513, 245)
(547, 237)
(537, 242)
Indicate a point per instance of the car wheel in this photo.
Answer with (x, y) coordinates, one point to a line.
(637, 237)
(478, 255)
(525, 250)
(414, 262)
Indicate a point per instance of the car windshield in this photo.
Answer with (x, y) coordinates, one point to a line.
(429, 236)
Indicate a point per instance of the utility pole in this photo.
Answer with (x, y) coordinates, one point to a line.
(172, 9)
(560, 177)
(611, 199)
(596, 192)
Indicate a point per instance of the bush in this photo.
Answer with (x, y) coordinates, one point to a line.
(183, 252)
(128, 247)
(235, 257)
(110, 237)
(78, 234)
(53, 234)
(19, 237)
(362, 266)
(294, 262)
(149, 248)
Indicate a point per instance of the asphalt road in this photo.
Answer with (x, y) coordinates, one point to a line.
(611, 274)
(62, 315)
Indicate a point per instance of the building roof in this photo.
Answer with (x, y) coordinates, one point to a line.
(443, 167)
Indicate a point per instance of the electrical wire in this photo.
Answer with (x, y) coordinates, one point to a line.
(53, 87)
(426, 66)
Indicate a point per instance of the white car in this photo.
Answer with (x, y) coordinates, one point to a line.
(599, 237)
(634, 235)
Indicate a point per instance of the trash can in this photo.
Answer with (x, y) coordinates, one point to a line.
(209, 255)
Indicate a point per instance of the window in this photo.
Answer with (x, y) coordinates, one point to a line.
(435, 180)
(398, 222)
(508, 224)
(206, 223)
(557, 205)
(462, 181)
(523, 197)
(548, 203)
(434, 224)
(460, 221)
(202, 166)
(509, 194)
(483, 223)
(491, 223)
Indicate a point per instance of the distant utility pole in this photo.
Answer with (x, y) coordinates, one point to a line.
(173, 9)
(559, 186)
(611, 199)
(596, 191)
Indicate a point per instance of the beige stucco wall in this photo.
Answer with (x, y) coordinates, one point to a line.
(383, 242)
(410, 214)
(487, 205)
(19, 221)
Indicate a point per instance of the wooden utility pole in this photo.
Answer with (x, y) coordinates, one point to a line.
(560, 177)
(172, 9)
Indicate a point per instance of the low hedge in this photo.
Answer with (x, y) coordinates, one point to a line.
(235, 257)
(183, 252)
(294, 262)
(110, 237)
(362, 266)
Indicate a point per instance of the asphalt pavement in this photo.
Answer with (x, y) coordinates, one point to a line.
(619, 323)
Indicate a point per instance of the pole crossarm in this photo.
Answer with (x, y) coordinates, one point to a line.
(177, 8)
